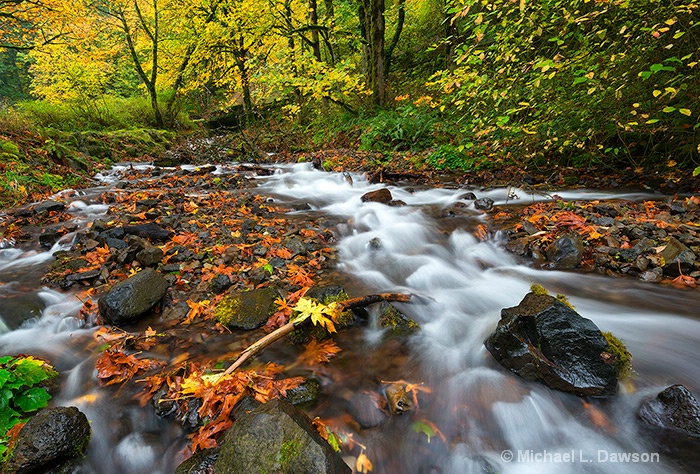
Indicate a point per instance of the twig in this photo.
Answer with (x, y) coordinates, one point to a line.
(282, 331)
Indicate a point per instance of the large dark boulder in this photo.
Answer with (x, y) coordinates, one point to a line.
(565, 252)
(545, 340)
(50, 438)
(276, 438)
(131, 298)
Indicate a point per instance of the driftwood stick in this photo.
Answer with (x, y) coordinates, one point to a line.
(367, 300)
(282, 331)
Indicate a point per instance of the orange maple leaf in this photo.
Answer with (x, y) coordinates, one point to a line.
(317, 353)
(298, 276)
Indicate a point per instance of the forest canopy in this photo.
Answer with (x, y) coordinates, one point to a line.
(577, 81)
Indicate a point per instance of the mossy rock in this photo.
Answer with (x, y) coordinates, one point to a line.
(305, 395)
(395, 321)
(247, 310)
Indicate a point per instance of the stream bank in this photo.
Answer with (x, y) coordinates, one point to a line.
(235, 237)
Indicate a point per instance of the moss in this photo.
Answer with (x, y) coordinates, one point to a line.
(618, 349)
(538, 289)
(7, 146)
(395, 321)
(564, 300)
(226, 309)
(289, 451)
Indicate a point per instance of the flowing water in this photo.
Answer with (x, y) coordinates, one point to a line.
(481, 417)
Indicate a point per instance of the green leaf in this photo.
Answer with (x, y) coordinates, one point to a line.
(29, 371)
(696, 171)
(32, 399)
(668, 109)
(333, 440)
(4, 377)
(686, 112)
(425, 428)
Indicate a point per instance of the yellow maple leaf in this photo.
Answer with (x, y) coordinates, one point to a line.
(363, 464)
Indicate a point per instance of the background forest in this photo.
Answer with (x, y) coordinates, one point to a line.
(470, 84)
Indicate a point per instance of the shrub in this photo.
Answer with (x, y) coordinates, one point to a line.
(23, 391)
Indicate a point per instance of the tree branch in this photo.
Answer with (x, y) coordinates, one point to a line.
(282, 331)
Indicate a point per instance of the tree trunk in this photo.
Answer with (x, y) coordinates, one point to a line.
(373, 28)
(241, 64)
(150, 82)
(397, 34)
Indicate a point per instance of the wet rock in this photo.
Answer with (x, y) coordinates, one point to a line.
(248, 309)
(131, 298)
(375, 243)
(672, 421)
(470, 196)
(565, 252)
(397, 203)
(201, 462)
(49, 206)
(365, 410)
(50, 438)
(678, 208)
(151, 231)
(16, 309)
(87, 276)
(115, 233)
(677, 258)
(399, 400)
(603, 221)
(49, 237)
(113, 243)
(296, 246)
(150, 256)
(483, 204)
(276, 438)
(305, 394)
(542, 339)
(675, 408)
(655, 275)
(529, 227)
(220, 283)
(382, 195)
(395, 321)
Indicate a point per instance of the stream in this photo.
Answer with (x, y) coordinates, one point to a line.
(487, 419)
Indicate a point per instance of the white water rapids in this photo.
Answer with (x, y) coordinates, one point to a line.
(491, 420)
(485, 412)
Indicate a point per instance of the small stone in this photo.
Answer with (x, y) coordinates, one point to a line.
(565, 252)
(484, 204)
(382, 195)
(150, 256)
